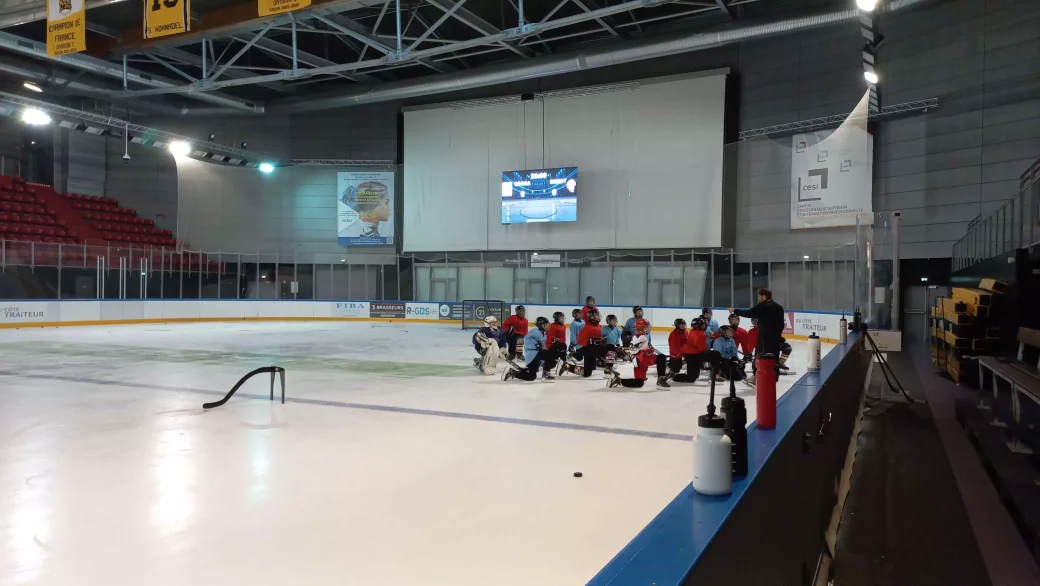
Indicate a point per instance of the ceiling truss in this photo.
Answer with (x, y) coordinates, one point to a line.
(382, 38)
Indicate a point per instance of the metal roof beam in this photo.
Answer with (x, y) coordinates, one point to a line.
(478, 24)
(196, 61)
(352, 29)
(284, 50)
(240, 18)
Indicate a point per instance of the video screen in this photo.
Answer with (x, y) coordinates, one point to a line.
(540, 195)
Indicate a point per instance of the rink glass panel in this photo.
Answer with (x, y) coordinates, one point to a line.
(835, 278)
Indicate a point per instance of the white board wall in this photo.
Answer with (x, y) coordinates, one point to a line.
(649, 159)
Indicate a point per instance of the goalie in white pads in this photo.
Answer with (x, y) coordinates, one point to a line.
(490, 343)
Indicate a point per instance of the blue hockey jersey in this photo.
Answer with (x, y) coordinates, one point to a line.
(612, 335)
(534, 341)
(726, 347)
(576, 326)
(498, 335)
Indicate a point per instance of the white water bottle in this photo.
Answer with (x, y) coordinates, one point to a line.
(843, 329)
(712, 457)
(814, 353)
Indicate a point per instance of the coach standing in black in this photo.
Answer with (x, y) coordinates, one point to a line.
(770, 316)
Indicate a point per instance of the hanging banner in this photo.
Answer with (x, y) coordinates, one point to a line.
(166, 17)
(269, 7)
(66, 27)
(831, 178)
(365, 208)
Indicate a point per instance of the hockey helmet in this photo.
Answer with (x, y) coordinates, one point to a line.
(679, 323)
(540, 323)
(612, 319)
(575, 313)
(559, 317)
(732, 317)
(637, 311)
(642, 326)
(491, 321)
(594, 316)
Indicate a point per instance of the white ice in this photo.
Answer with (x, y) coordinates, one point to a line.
(402, 465)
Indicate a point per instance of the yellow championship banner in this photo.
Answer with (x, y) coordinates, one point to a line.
(166, 17)
(66, 27)
(269, 7)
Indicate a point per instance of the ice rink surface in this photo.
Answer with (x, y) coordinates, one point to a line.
(393, 461)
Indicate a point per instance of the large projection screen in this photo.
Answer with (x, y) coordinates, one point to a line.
(649, 158)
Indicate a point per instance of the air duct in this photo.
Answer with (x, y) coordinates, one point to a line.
(108, 69)
(566, 63)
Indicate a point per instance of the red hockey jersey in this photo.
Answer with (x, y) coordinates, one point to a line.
(519, 324)
(555, 333)
(676, 341)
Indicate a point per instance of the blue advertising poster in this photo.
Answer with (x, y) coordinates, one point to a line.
(365, 208)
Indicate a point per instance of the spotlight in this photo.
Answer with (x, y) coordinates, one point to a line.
(32, 86)
(212, 136)
(266, 168)
(805, 256)
(35, 117)
(870, 76)
(866, 5)
(33, 142)
(924, 279)
(245, 144)
(180, 148)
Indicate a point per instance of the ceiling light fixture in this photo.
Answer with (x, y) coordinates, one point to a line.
(35, 117)
(180, 148)
(32, 86)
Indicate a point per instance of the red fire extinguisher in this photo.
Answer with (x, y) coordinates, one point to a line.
(765, 391)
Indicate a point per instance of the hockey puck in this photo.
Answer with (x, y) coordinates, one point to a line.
(577, 474)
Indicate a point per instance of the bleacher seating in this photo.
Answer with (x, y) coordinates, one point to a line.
(116, 224)
(23, 216)
(32, 212)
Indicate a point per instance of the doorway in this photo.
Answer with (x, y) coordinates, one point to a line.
(917, 304)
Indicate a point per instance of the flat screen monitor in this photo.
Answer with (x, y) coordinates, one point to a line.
(540, 195)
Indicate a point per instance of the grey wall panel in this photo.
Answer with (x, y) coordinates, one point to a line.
(147, 184)
(86, 163)
(980, 56)
(235, 209)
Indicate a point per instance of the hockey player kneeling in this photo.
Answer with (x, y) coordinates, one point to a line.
(490, 343)
(537, 356)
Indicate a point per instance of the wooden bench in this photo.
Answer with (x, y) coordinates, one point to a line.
(1023, 376)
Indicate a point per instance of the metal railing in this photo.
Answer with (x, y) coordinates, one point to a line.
(1014, 225)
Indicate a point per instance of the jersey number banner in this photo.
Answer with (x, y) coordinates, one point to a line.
(269, 7)
(166, 17)
(66, 27)
(365, 208)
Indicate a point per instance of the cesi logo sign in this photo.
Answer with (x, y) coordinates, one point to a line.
(445, 310)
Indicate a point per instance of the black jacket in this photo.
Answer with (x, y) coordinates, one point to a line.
(770, 316)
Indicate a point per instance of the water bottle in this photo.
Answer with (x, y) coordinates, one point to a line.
(814, 353)
(712, 457)
(843, 329)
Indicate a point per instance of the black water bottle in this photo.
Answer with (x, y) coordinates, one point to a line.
(735, 411)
